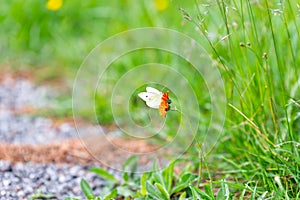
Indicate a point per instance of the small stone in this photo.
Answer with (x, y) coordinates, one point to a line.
(62, 179)
(5, 166)
(3, 192)
(6, 183)
(21, 194)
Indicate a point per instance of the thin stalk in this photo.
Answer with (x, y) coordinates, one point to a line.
(231, 75)
(278, 60)
(251, 16)
(289, 36)
(253, 125)
(200, 166)
(294, 16)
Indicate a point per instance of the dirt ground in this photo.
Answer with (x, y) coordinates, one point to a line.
(74, 151)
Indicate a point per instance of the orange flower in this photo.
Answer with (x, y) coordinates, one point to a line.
(54, 4)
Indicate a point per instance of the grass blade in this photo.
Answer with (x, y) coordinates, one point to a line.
(86, 189)
(104, 174)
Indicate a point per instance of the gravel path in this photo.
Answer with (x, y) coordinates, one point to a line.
(22, 180)
(19, 95)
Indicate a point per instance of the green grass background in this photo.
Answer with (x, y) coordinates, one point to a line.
(255, 45)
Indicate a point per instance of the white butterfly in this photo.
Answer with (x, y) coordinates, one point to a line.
(152, 97)
(156, 99)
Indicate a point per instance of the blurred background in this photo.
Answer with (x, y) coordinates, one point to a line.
(60, 34)
(50, 39)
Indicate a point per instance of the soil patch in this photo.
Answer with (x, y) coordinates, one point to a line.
(75, 151)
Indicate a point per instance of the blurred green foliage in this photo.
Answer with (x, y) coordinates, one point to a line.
(33, 35)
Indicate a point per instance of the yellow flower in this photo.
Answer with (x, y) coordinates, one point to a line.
(54, 4)
(161, 5)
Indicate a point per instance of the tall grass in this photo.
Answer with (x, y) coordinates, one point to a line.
(261, 139)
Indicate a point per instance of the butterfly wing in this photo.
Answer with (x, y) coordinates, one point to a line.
(153, 100)
(153, 90)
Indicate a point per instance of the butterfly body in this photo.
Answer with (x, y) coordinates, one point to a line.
(156, 99)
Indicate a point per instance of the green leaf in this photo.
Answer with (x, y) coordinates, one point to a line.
(143, 184)
(185, 170)
(180, 187)
(125, 176)
(232, 185)
(195, 194)
(158, 178)
(253, 195)
(163, 191)
(125, 191)
(297, 159)
(40, 195)
(108, 187)
(223, 193)
(131, 164)
(185, 181)
(152, 191)
(155, 166)
(182, 196)
(168, 175)
(112, 195)
(104, 174)
(199, 194)
(86, 189)
(263, 196)
(208, 190)
(188, 177)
